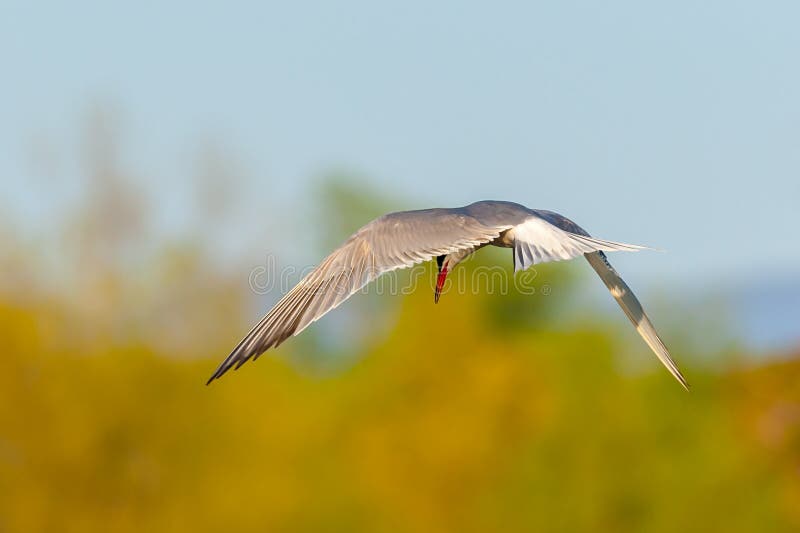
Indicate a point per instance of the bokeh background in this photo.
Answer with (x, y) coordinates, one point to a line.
(154, 156)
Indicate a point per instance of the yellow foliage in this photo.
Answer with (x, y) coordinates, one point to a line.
(469, 415)
(441, 425)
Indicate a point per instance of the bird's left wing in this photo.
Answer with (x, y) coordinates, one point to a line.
(396, 240)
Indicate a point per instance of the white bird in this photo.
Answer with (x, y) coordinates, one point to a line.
(406, 238)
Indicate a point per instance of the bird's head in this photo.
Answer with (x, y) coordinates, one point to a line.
(446, 264)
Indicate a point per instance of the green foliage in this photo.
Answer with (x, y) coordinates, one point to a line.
(345, 202)
(469, 415)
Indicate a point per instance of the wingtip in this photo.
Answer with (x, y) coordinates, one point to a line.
(218, 373)
(673, 370)
(645, 248)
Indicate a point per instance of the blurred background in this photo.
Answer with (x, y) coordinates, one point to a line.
(153, 157)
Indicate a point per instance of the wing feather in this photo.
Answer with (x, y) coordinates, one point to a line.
(396, 240)
(622, 293)
(633, 310)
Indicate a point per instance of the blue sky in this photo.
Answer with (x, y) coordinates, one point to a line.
(675, 125)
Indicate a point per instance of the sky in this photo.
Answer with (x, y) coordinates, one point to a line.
(675, 125)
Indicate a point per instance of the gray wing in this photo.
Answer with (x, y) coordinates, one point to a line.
(396, 240)
(622, 294)
(633, 310)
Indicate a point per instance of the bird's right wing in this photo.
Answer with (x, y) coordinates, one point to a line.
(633, 310)
(396, 240)
(622, 294)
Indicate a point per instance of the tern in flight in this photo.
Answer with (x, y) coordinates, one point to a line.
(406, 238)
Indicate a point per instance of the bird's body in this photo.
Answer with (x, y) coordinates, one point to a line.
(402, 239)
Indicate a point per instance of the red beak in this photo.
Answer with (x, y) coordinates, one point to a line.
(440, 283)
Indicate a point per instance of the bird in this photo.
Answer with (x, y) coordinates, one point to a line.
(450, 235)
